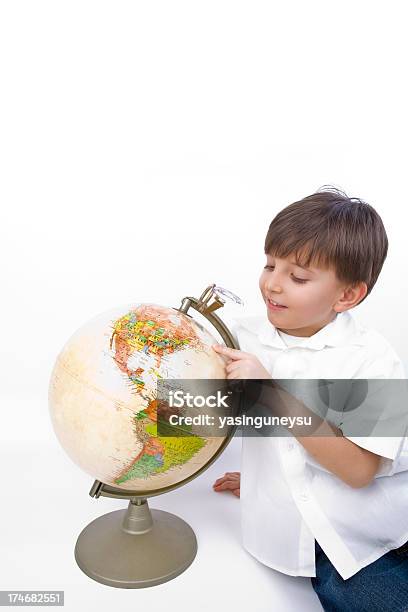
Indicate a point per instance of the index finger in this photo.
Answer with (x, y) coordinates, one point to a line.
(229, 352)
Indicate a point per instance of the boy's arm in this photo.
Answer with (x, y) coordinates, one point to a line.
(354, 465)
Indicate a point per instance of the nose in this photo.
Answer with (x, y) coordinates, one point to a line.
(273, 284)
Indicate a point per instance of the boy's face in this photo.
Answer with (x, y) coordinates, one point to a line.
(309, 298)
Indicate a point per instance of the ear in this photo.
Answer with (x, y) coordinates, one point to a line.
(351, 296)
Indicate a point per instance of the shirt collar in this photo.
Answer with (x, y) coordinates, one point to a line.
(343, 330)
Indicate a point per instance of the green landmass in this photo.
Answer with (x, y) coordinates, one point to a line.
(179, 448)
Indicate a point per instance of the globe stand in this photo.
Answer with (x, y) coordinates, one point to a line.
(136, 547)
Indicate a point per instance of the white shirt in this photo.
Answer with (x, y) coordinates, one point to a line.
(287, 498)
(291, 340)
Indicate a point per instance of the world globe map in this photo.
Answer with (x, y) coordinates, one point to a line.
(103, 396)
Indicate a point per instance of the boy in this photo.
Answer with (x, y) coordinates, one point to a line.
(332, 508)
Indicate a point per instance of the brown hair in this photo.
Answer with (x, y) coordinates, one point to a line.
(331, 230)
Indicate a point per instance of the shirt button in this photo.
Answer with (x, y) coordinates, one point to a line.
(304, 496)
(291, 446)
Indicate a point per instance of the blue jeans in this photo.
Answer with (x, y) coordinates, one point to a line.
(382, 586)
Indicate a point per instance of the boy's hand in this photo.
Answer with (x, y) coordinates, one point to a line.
(241, 364)
(231, 481)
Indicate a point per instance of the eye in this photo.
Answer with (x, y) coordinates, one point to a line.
(299, 280)
(295, 279)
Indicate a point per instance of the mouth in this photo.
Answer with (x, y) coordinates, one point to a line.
(274, 305)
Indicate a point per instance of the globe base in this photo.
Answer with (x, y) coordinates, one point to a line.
(135, 548)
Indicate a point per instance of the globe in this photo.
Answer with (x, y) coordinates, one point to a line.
(103, 396)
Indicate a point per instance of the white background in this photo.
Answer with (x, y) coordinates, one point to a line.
(146, 146)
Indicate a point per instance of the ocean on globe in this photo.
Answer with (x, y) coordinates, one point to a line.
(103, 396)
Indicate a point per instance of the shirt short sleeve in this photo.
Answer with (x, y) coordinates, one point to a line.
(389, 400)
(372, 413)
